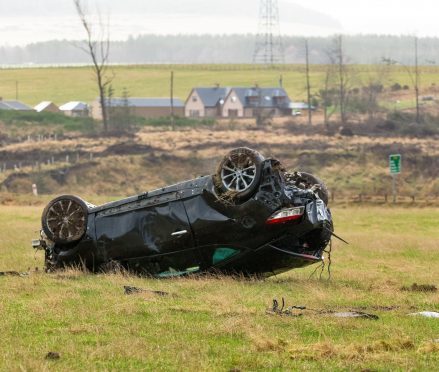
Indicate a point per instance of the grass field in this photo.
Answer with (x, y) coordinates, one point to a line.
(221, 323)
(77, 83)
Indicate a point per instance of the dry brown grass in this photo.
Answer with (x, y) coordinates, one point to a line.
(349, 166)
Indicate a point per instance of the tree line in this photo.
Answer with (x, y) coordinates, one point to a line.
(362, 49)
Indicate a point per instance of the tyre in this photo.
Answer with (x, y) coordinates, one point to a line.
(64, 219)
(239, 173)
(309, 180)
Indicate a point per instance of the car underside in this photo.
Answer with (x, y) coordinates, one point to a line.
(251, 217)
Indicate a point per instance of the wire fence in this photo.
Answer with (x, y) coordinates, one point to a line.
(385, 199)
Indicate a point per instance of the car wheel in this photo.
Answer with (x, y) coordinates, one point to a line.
(64, 219)
(239, 173)
(309, 181)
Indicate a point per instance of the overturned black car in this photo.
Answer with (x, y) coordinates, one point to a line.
(250, 217)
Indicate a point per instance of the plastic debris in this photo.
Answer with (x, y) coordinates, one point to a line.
(426, 314)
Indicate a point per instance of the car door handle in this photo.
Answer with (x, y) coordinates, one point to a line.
(179, 233)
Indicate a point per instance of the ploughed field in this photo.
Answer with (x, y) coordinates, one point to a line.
(221, 323)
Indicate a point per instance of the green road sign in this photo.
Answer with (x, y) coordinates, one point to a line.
(395, 163)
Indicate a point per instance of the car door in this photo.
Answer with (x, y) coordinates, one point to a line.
(139, 232)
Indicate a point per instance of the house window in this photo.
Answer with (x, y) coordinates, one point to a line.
(233, 99)
(194, 99)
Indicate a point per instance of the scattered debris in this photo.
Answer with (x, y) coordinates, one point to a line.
(13, 273)
(355, 314)
(53, 355)
(296, 311)
(420, 288)
(426, 314)
(289, 311)
(385, 308)
(133, 290)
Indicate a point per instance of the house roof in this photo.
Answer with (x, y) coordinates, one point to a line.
(144, 102)
(74, 106)
(17, 105)
(261, 97)
(211, 96)
(42, 106)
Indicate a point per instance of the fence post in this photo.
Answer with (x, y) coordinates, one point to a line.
(34, 189)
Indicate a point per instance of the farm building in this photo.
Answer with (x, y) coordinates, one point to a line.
(14, 105)
(75, 109)
(206, 102)
(249, 102)
(147, 108)
(47, 106)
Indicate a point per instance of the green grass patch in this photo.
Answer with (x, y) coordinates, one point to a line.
(64, 84)
(220, 323)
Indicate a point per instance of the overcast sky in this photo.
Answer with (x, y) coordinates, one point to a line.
(27, 21)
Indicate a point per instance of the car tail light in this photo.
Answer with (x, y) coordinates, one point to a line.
(285, 215)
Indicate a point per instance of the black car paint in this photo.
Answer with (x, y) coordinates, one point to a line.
(137, 232)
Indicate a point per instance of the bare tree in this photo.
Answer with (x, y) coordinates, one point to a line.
(98, 48)
(416, 81)
(328, 95)
(343, 80)
(373, 88)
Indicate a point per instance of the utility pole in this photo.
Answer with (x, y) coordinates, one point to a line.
(308, 85)
(172, 101)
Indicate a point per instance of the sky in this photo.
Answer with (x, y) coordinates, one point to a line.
(28, 21)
